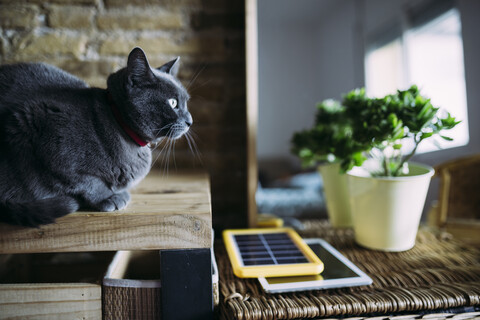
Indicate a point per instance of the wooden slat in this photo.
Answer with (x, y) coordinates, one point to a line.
(251, 44)
(466, 230)
(166, 212)
(50, 301)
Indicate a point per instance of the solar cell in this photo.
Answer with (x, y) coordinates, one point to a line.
(268, 252)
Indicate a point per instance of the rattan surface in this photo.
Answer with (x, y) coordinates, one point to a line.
(439, 273)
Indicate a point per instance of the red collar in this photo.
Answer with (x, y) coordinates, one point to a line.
(116, 113)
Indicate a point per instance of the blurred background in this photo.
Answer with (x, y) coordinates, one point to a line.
(311, 50)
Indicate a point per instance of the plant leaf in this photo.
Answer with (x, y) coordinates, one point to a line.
(446, 138)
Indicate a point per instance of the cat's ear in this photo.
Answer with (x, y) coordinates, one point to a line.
(138, 67)
(171, 67)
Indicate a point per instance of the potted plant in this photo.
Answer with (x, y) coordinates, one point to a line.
(330, 146)
(387, 194)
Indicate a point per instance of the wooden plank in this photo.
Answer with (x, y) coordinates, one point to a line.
(466, 230)
(158, 182)
(50, 301)
(166, 212)
(251, 45)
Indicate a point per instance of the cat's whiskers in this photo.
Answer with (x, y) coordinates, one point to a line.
(167, 152)
(158, 131)
(166, 156)
(192, 90)
(166, 138)
(195, 76)
(173, 153)
(158, 154)
(192, 145)
(156, 144)
(170, 146)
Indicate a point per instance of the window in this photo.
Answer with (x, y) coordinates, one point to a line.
(429, 54)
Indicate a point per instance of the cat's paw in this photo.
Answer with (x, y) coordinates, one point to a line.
(118, 201)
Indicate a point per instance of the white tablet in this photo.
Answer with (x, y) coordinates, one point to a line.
(338, 272)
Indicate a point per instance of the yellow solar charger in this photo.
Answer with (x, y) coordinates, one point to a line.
(270, 252)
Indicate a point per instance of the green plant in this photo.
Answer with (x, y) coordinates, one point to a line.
(359, 126)
(331, 138)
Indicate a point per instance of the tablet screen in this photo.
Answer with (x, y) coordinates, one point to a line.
(336, 268)
(338, 272)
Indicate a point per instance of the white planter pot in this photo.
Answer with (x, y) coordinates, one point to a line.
(336, 195)
(387, 210)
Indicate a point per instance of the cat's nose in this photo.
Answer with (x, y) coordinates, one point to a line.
(189, 120)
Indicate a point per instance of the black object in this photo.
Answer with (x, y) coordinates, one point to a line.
(186, 277)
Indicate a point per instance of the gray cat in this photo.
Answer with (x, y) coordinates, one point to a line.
(65, 146)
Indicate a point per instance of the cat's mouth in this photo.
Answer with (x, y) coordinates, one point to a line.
(179, 133)
(176, 132)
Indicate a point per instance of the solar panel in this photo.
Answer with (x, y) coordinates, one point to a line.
(270, 252)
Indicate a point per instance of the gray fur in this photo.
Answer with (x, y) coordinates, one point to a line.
(62, 149)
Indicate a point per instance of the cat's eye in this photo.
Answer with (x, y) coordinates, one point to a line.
(173, 103)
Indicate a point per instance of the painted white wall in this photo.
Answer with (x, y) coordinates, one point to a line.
(337, 47)
(306, 55)
(286, 83)
(288, 76)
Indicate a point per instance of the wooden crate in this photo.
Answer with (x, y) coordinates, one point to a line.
(132, 286)
(52, 286)
(166, 212)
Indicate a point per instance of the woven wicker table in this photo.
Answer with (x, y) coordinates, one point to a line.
(438, 279)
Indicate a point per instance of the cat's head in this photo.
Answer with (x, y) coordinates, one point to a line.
(151, 100)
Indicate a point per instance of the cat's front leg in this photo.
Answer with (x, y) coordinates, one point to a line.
(117, 201)
(95, 195)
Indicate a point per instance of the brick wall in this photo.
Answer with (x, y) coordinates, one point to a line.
(92, 38)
